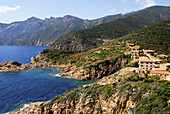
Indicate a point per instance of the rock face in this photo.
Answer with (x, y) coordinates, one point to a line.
(117, 97)
(12, 66)
(119, 93)
(83, 101)
(95, 72)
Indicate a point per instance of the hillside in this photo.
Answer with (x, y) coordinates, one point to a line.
(93, 37)
(108, 58)
(92, 64)
(119, 91)
(155, 37)
(34, 31)
(132, 94)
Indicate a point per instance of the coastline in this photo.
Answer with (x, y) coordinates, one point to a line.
(26, 108)
(29, 106)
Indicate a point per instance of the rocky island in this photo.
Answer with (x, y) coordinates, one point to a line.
(12, 66)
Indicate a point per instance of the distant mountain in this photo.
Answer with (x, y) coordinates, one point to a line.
(93, 37)
(34, 31)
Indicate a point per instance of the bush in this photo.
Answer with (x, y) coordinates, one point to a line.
(156, 102)
(53, 62)
(155, 77)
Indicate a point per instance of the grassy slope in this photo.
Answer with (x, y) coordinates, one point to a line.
(159, 91)
(156, 37)
(90, 58)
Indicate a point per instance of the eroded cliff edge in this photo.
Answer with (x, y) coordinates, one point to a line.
(116, 94)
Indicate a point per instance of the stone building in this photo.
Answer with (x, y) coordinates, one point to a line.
(150, 52)
(145, 64)
(135, 50)
(162, 73)
(165, 57)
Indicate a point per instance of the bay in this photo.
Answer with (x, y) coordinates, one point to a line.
(21, 54)
(41, 84)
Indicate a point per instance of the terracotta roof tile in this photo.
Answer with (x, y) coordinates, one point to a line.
(146, 60)
(159, 72)
(136, 47)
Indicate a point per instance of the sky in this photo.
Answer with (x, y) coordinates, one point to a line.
(19, 10)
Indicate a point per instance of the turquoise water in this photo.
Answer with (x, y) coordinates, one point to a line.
(17, 88)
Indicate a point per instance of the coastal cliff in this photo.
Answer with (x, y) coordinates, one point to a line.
(96, 71)
(92, 64)
(116, 94)
(122, 92)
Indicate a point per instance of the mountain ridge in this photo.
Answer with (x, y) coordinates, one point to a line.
(35, 30)
(93, 37)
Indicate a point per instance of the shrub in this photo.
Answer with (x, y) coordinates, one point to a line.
(155, 77)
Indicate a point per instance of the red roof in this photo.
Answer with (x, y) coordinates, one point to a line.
(159, 72)
(162, 55)
(134, 50)
(148, 50)
(146, 60)
(136, 47)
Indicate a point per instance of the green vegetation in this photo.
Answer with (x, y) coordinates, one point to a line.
(61, 54)
(35, 31)
(157, 102)
(16, 63)
(156, 37)
(151, 97)
(102, 56)
(57, 56)
(92, 37)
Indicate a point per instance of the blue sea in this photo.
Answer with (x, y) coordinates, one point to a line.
(42, 84)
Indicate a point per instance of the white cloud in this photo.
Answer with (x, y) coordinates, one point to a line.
(113, 10)
(4, 9)
(137, 0)
(146, 3)
(123, 1)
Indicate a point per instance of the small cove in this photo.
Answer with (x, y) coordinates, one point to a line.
(41, 84)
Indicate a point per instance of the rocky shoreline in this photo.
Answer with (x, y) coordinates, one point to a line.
(28, 108)
(122, 104)
(13, 66)
(112, 95)
(115, 93)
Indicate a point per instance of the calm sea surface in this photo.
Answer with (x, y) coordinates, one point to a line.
(17, 88)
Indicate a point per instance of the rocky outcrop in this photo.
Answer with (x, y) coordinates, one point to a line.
(82, 101)
(120, 94)
(96, 71)
(12, 66)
